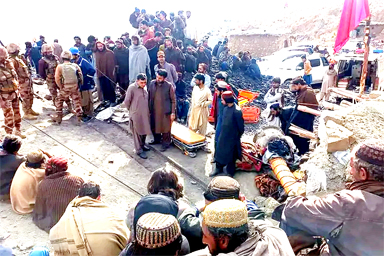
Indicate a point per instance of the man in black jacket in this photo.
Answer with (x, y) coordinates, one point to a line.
(216, 48)
(182, 103)
(229, 141)
(122, 66)
(133, 18)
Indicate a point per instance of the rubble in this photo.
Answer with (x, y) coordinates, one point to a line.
(359, 122)
(338, 137)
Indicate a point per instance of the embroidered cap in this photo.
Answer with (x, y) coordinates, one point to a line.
(222, 187)
(155, 230)
(372, 151)
(226, 213)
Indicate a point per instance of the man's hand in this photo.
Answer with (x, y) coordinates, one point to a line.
(200, 206)
(172, 117)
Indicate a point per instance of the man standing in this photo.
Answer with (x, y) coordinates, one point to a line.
(133, 18)
(201, 99)
(275, 94)
(9, 99)
(229, 141)
(47, 68)
(145, 31)
(337, 216)
(136, 101)
(105, 70)
(174, 55)
(80, 46)
(164, 22)
(170, 68)
(102, 231)
(68, 77)
(305, 97)
(152, 46)
(216, 48)
(138, 60)
(307, 70)
(88, 84)
(162, 107)
(25, 83)
(40, 43)
(122, 67)
(190, 30)
(57, 49)
(202, 69)
(181, 99)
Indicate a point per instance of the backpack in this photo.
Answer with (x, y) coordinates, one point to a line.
(69, 73)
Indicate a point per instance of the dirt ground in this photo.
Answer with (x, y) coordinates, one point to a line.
(93, 155)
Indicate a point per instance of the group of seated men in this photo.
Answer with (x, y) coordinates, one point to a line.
(350, 222)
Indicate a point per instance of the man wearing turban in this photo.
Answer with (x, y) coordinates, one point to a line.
(55, 192)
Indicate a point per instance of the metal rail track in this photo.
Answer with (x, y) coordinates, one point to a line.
(182, 170)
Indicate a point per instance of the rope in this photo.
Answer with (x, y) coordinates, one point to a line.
(110, 79)
(97, 167)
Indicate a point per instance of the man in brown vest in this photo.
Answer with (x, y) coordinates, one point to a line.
(25, 82)
(47, 67)
(9, 99)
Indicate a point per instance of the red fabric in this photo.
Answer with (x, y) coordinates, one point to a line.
(57, 164)
(214, 102)
(354, 12)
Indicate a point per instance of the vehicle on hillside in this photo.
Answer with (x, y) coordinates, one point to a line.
(293, 67)
(350, 69)
(305, 49)
(270, 62)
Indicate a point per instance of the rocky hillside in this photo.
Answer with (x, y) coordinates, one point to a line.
(316, 21)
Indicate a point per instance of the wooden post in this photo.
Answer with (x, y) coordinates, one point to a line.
(366, 54)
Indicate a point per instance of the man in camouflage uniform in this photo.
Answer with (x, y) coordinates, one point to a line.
(25, 82)
(9, 99)
(68, 76)
(47, 67)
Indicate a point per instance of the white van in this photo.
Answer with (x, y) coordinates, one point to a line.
(294, 67)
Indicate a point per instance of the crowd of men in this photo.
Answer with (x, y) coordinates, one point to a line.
(146, 72)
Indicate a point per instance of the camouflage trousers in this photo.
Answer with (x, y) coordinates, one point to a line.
(54, 91)
(26, 93)
(9, 102)
(64, 95)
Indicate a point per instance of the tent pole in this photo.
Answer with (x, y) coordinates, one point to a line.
(366, 54)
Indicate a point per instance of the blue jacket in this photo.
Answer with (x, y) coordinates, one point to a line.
(88, 72)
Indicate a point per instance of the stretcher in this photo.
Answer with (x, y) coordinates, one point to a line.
(187, 140)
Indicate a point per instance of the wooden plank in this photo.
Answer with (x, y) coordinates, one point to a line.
(308, 110)
(302, 132)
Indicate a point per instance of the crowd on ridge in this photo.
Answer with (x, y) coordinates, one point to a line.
(146, 72)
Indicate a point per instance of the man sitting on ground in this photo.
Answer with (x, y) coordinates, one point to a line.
(26, 181)
(221, 187)
(352, 219)
(10, 160)
(102, 232)
(58, 188)
(156, 234)
(228, 231)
